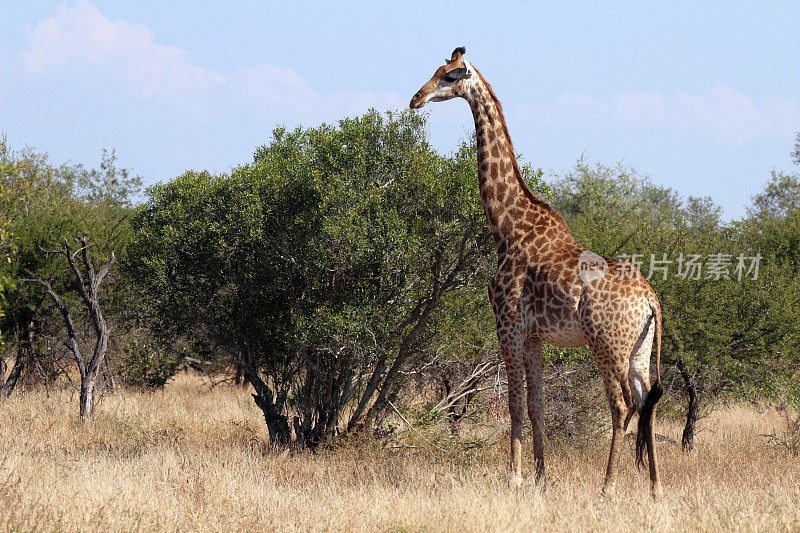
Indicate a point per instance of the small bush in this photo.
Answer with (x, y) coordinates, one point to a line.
(148, 367)
(575, 406)
(789, 439)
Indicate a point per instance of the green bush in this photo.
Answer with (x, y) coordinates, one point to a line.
(147, 366)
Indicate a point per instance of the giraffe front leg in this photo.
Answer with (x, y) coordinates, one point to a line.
(512, 354)
(533, 378)
(517, 411)
(511, 340)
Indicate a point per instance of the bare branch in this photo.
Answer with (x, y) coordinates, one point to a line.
(467, 386)
(52, 251)
(72, 340)
(85, 259)
(412, 428)
(103, 271)
(80, 282)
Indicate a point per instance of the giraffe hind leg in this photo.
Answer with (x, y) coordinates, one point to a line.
(619, 400)
(622, 374)
(618, 413)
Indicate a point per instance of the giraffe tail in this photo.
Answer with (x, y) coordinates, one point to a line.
(644, 437)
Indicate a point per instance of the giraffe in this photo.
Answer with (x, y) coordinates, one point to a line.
(548, 288)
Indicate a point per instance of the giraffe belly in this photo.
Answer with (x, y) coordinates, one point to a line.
(569, 336)
(556, 323)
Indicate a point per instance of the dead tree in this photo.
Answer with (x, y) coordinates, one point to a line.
(687, 440)
(25, 355)
(690, 385)
(89, 290)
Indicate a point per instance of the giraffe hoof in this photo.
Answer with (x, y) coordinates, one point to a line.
(658, 493)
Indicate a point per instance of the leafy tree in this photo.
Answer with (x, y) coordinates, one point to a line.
(7, 282)
(608, 206)
(779, 197)
(31, 192)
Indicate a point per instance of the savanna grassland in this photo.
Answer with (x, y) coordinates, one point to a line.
(194, 458)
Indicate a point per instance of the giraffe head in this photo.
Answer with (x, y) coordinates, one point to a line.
(449, 80)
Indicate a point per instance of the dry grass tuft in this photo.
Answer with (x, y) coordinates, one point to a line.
(192, 458)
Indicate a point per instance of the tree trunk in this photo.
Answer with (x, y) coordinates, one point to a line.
(271, 405)
(109, 376)
(13, 376)
(87, 398)
(238, 377)
(379, 409)
(417, 321)
(369, 392)
(687, 440)
(277, 423)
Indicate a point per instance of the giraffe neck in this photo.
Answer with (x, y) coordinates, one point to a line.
(511, 208)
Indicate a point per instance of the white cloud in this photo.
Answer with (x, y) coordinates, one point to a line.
(79, 39)
(722, 113)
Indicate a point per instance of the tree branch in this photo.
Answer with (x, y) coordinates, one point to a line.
(72, 342)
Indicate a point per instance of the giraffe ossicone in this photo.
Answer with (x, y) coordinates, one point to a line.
(548, 288)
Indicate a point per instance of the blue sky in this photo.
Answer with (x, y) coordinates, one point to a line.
(703, 97)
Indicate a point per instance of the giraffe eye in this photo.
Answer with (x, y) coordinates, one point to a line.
(449, 79)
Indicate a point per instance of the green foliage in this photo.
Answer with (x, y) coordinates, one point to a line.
(605, 207)
(779, 197)
(146, 365)
(7, 281)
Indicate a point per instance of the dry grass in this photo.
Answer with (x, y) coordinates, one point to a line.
(193, 458)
